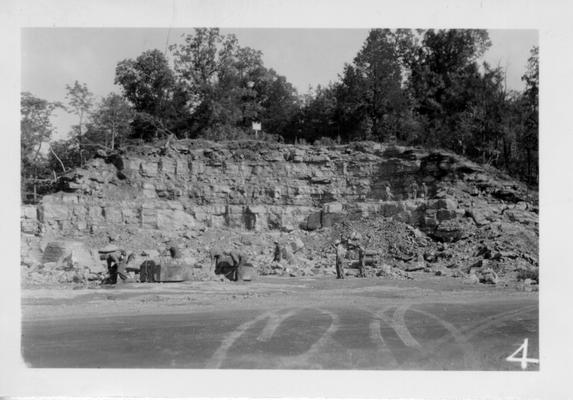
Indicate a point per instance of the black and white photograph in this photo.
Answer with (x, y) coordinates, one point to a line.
(276, 200)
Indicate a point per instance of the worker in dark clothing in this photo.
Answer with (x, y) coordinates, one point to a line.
(228, 263)
(414, 190)
(362, 261)
(116, 266)
(238, 261)
(277, 253)
(340, 252)
(424, 191)
(175, 252)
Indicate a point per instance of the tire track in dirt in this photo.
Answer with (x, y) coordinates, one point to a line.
(221, 353)
(376, 337)
(468, 352)
(272, 325)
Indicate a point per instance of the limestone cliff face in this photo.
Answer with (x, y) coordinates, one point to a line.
(260, 186)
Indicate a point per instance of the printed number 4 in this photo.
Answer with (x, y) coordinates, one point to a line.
(523, 359)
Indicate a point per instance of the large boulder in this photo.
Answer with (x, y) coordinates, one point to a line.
(73, 255)
(449, 231)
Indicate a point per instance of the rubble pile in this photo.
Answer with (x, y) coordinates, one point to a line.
(461, 220)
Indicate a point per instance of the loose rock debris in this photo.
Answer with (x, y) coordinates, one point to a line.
(283, 207)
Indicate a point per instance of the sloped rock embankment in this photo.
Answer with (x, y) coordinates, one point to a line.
(201, 194)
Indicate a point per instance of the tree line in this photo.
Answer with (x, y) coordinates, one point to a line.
(413, 87)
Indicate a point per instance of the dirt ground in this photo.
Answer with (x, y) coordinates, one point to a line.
(287, 323)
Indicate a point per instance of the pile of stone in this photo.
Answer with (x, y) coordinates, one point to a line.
(65, 262)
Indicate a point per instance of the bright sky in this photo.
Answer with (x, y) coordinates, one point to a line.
(52, 58)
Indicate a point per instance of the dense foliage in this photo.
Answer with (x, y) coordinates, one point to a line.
(424, 87)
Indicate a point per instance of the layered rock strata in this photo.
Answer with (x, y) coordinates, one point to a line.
(191, 186)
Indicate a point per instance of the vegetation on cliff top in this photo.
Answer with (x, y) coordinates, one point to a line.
(422, 87)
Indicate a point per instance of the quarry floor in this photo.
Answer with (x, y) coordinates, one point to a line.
(429, 323)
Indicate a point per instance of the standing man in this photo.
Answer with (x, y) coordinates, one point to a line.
(362, 261)
(424, 190)
(340, 252)
(414, 189)
(238, 261)
(277, 252)
(389, 195)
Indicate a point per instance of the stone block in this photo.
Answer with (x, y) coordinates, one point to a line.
(95, 214)
(29, 212)
(148, 169)
(448, 231)
(333, 207)
(447, 204)
(130, 215)
(112, 214)
(173, 220)
(175, 272)
(181, 169)
(167, 166)
(313, 221)
(149, 218)
(430, 222)
(445, 215)
(234, 216)
(79, 212)
(297, 155)
(522, 217)
(31, 226)
(196, 168)
(216, 221)
(131, 164)
(391, 208)
(478, 216)
(330, 219)
(68, 198)
(274, 156)
(257, 209)
(149, 191)
(367, 208)
(54, 212)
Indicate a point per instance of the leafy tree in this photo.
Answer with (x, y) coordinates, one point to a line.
(111, 120)
(443, 71)
(318, 118)
(372, 101)
(196, 65)
(228, 85)
(378, 63)
(149, 84)
(80, 101)
(277, 103)
(36, 130)
(529, 140)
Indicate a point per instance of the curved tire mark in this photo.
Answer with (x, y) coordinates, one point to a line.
(482, 325)
(377, 338)
(221, 353)
(334, 325)
(398, 323)
(272, 325)
(458, 336)
(304, 360)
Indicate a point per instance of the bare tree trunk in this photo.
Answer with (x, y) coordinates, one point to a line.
(58, 158)
(113, 135)
(80, 139)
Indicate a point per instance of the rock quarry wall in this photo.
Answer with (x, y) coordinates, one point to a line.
(189, 186)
